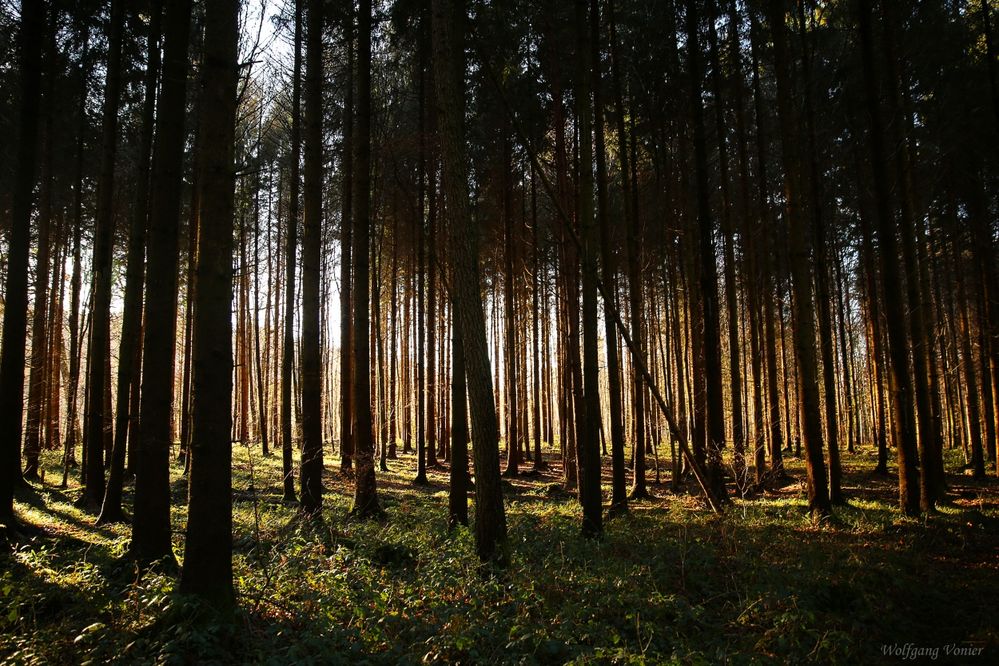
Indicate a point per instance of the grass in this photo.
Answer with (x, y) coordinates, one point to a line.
(670, 582)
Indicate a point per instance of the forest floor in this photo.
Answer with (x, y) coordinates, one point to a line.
(669, 582)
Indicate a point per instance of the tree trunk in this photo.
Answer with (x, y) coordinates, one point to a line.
(291, 258)
(346, 239)
(131, 325)
(588, 444)
(490, 519)
(100, 328)
(711, 335)
(312, 434)
(365, 489)
(15, 312)
(898, 344)
(151, 520)
(801, 273)
(619, 490)
(208, 544)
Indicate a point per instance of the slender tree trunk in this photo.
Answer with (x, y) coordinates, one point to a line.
(39, 333)
(804, 326)
(288, 357)
(365, 489)
(16, 287)
(728, 230)
(711, 336)
(490, 520)
(208, 544)
(346, 239)
(619, 491)
(823, 296)
(588, 444)
(100, 329)
(312, 435)
(151, 519)
(131, 325)
(898, 344)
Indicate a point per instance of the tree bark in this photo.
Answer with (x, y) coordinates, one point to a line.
(100, 327)
(15, 313)
(151, 519)
(208, 544)
(312, 442)
(131, 325)
(365, 489)
(490, 518)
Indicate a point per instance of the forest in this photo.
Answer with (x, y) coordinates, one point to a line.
(499, 331)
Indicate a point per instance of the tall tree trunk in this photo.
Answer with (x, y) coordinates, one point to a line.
(711, 335)
(291, 258)
(208, 544)
(151, 520)
(509, 316)
(312, 435)
(15, 312)
(588, 444)
(73, 380)
(898, 344)
(346, 239)
(767, 269)
(801, 274)
(823, 296)
(131, 325)
(634, 260)
(365, 489)
(728, 231)
(490, 519)
(100, 328)
(39, 333)
(917, 327)
(619, 491)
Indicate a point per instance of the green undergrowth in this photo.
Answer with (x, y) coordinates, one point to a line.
(669, 582)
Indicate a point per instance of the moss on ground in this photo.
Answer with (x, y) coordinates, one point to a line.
(669, 582)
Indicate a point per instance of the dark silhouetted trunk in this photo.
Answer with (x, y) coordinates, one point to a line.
(208, 544)
(151, 519)
(490, 519)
